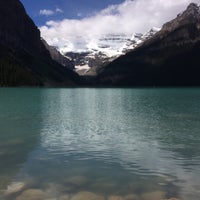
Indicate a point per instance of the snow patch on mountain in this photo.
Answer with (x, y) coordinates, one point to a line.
(104, 49)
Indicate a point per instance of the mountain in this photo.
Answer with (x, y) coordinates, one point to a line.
(24, 60)
(103, 50)
(169, 58)
(138, 39)
(91, 54)
(58, 57)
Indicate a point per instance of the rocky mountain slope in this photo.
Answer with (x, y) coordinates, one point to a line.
(169, 58)
(104, 50)
(58, 57)
(24, 60)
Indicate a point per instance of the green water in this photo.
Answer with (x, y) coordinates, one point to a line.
(106, 141)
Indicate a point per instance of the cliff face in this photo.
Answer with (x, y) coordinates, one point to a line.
(58, 57)
(169, 58)
(190, 16)
(24, 60)
(16, 28)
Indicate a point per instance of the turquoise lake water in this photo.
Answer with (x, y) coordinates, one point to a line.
(105, 141)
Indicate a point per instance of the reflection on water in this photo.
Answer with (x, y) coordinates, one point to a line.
(106, 141)
(19, 129)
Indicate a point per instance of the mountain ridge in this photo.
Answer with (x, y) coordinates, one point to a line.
(24, 60)
(169, 58)
(105, 50)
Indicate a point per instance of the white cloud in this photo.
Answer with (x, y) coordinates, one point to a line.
(46, 12)
(58, 10)
(129, 17)
(79, 14)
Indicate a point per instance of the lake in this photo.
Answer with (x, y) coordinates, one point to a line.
(132, 144)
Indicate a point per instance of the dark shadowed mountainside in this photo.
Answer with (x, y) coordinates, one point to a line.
(169, 58)
(24, 60)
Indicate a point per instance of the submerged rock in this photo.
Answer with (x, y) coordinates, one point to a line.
(63, 197)
(73, 184)
(78, 180)
(104, 186)
(53, 189)
(158, 195)
(51, 199)
(32, 194)
(132, 197)
(115, 197)
(14, 187)
(3, 180)
(87, 196)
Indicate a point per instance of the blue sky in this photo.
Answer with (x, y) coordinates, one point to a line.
(71, 9)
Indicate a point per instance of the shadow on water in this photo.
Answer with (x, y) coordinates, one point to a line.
(20, 125)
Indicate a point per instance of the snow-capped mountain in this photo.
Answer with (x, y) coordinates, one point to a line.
(169, 58)
(96, 53)
(137, 39)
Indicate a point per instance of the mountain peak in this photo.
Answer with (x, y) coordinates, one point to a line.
(169, 58)
(24, 60)
(190, 16)
(193, 8)
(192, 12)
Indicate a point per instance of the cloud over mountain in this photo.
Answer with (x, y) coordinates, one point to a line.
(128, 17)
